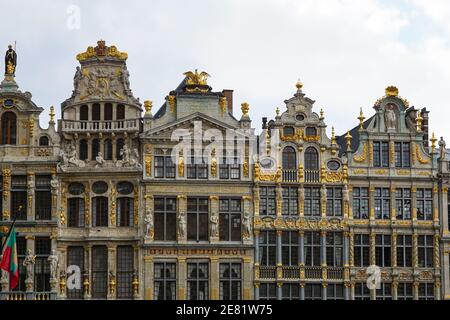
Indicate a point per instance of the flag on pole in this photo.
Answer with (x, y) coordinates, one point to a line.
(9, 260)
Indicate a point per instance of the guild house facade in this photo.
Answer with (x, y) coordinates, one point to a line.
(115, 201)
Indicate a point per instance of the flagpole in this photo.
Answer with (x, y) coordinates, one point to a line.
(10, 229)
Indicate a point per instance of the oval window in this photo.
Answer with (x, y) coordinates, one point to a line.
(300, 117)
(267, 163)
(100, 187)
(334, 165)
(76, 188)
(125, 187)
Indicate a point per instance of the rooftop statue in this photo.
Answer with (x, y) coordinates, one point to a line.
(10, 61)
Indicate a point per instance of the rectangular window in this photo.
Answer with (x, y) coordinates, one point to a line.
(313, 292)
(426, 291)
(335, 249)
(198, 281)
(197, 219)
(403, 204)
(425, 251)
(425, 204)
(362, 292)
(381, 154)
(290, 201)
(405, 291)
(229, 168)
(362, 250)
(99, 287)
(290, 291)
(335, 292)
(268, 248)
(385, 292)
(361, 203)
(312, 249)
(19, 197)
(402, 155)
(382, 204)
(75, 257)
(312, 202)
(76, 212)
(165, 219)
(125, 212)
(334, 202)
(230, 281)
(125, 268)
(404, 251)
(267, 202)
(289, 248)
(100, 212)
(230, 219)
(164, 166)
(268, 291)
(43, 196)
(42, 249)
(165, 281)
(383, 250)
(197, 168)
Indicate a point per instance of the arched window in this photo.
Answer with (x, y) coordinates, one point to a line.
(76, 212)
(84, 113)
(119, 146)
(43, 141)
(311, 159)
(289, 159)
(120, 113)
(95, 148)
(9, 128)
(100, 211)
(83, 149)
(96, 111)
(108, 149)
(108, 111)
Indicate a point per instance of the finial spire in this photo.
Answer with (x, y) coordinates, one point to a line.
(361, 119)
(299, 84)
(419, 120)
(52, 115)
(148, 107)
(348, 138)
(433, 142)
(245, 107)
(333, 137)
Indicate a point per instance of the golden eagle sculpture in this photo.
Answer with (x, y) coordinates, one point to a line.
(195, 78)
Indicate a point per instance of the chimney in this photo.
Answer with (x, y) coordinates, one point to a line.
(426, 133)
(264, 123)
(229, 95)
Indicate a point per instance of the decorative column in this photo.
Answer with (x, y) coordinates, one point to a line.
(256, 198)
(394, 249)
(414, 203)
(279, 264)
(31, 184)
(62, 272)
(279, 200)
(323, 259)
(247, 280)
(136, 279)
(372, 248)
(87, 272)
(436, 207)
(394, 289)
(443, 200)
(393, 203)
(6, 173)
(350, 206)
(346, 265)
(214, 219)
(372, 203)
(301, 201)
(247, 220)
(29, 282)
(351, 240)
(148, 277)
(87, 206)
(256, 265)
(182, 219)
(436, 252)
(415, 250)
(112, 209)
(437, 289)
(323, 200)
(54, 187)
(416, 290)
(112, 253)
(89, 146)
(182, 278)
(214, 267)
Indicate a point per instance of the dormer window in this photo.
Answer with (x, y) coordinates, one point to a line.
(43, 141)
(288, 131)
(311, 132)
(9, 128)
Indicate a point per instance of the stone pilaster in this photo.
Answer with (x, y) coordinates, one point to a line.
(214, 219)
(182, 278)
(112, 254)
(6, 173)
(29, 282)
(394, 249)
(372, 248)
(393, 191)
(182, 219)
(31, 186)
(86, 283)
(414, 203)
(149, 219)
(415, 250)
(148, 278)
(247, 278)
(215, 280)
(372, 203)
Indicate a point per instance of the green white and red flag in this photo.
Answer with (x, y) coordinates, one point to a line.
(9, 259)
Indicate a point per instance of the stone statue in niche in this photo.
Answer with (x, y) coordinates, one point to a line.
(148, 220)
(390, 117)
(53, 261)
(28, 263)
(100, 161)
(246, 223)
(411, 121)
(126, 78)
(77, 78)
(130, 159)
(214, 225)
(182, 224)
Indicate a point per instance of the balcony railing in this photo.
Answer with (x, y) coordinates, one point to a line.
(335, 273)
(312, 176)
(290, 175)
(313, 273)
(101, 126)
(40, 296)
(293, 273)
(267, 272)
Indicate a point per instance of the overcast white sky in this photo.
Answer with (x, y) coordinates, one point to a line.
(345, 51)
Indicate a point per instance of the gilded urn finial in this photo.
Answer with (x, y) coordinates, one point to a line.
(392, 91)
(419, 120)
(245, 107)
(299, 85)
(361, 119)
(52, 114)
(148, 106)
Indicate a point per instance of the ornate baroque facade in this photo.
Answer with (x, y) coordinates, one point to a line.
(110, 204)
